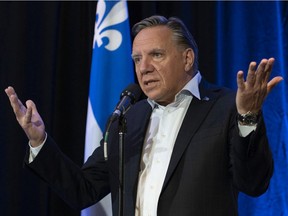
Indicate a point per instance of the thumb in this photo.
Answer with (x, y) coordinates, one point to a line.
(273, 83)
(31, 110)
(32, 105)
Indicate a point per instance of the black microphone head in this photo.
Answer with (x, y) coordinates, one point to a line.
(129, 96)
(133, 91)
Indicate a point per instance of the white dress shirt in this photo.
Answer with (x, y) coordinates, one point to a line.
(165, 122)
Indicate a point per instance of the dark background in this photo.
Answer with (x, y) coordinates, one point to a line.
(45, 54)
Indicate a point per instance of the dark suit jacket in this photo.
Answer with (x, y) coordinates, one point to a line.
(210, 162)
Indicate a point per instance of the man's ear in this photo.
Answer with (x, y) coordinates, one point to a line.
(189, 59)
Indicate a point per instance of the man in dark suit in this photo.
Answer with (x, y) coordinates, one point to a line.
(189, 148)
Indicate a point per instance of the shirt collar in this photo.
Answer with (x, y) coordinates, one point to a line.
(191, 88)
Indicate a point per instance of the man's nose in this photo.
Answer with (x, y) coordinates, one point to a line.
(145, 66)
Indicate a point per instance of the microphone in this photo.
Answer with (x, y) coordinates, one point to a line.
(129, 96)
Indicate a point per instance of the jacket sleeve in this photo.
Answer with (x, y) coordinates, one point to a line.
(73, 184)
(251, 160)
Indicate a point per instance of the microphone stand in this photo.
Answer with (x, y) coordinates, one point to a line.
(122, 131)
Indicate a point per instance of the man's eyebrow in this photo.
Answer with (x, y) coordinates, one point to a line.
(157, 50)
(133, 55)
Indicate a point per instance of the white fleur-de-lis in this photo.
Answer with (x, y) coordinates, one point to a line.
(115, 16)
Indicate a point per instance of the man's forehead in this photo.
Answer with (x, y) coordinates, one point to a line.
(152, 37)
(153, 31)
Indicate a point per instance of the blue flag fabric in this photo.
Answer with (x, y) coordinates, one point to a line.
(111, 72)
(246, 35)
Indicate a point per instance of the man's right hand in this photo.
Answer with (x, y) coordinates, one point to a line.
(28, 118)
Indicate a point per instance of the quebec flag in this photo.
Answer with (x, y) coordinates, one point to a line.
(111, 72)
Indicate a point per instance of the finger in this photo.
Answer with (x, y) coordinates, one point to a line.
(251, 76)
(240, 80)
(9, 91)
(34, 113)
(260, 72)
(18, 108)
(273, 83)
(30, 103)
(28, 116)
(268, 68)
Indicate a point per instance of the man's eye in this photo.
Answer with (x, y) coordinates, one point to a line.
(136, 60)
(157, 55)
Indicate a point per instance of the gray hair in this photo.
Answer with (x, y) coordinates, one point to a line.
(181, 33)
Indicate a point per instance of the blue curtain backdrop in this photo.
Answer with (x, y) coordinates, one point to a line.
(249, 31)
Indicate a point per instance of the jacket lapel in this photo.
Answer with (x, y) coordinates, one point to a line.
(194, 117)
(134, 151)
